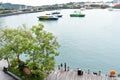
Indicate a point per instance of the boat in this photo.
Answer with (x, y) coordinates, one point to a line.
(82, 9)
(77, 15)
(110, 9)
(56, 12)
(47, 17)
(48, 14)
(58, 15)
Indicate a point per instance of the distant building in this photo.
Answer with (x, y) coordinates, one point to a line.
(116, 1)
(1, 7)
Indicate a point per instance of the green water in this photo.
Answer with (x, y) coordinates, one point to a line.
(91, 42)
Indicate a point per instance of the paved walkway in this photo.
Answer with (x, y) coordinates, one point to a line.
(4, 76)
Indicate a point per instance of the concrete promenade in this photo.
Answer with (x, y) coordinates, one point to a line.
(4, 76)
(17, 13)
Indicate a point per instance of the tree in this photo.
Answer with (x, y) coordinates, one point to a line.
(41, 47)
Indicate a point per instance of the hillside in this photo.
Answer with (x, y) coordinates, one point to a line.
(12, 6)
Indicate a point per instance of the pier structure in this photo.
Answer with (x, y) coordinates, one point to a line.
(73, 75)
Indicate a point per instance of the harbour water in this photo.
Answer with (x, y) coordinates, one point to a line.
(91, 42)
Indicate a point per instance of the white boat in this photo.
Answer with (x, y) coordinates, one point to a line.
(56, 15)
(56, 12)
(110, 9)
(82, 9)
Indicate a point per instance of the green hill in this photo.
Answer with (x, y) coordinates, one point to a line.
(12, 6)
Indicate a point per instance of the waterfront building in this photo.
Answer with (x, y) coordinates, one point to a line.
(1, 7)
(116, 1)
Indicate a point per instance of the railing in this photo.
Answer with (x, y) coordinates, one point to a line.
(11, 74)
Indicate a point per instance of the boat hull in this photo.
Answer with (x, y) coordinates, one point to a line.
(47, 18)
(59, 15)
(55, 12)
(77, 15)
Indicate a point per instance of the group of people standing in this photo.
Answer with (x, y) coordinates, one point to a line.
(63, 67)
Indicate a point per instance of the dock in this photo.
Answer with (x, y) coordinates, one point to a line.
(72, 75)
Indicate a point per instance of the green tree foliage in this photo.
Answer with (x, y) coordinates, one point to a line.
(41, 47)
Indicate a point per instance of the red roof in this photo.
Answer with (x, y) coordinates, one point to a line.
(117, 5)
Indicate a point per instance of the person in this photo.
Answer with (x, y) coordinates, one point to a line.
(65, 66)
(99, 73)
(79, 71)
(58, 67)
(88, 71)
(68, 68)
(5, 69)
(61, 67)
